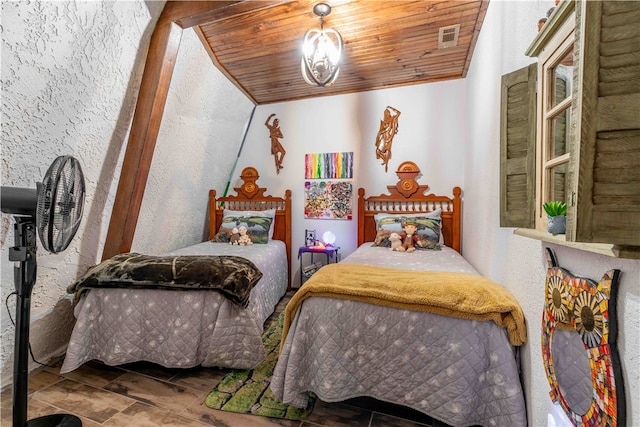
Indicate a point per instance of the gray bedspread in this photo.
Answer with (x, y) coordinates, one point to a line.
(180, 329)
(459, 371)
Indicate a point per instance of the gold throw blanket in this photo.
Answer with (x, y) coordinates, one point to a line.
(462, 295)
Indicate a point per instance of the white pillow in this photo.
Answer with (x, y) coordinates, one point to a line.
(270, 213)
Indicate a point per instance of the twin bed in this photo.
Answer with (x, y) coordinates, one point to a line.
(126, 316)
(420, 329)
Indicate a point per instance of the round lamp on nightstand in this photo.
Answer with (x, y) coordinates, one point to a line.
(328, 238)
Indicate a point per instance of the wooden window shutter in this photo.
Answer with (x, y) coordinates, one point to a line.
(518, 148)
(607, 164)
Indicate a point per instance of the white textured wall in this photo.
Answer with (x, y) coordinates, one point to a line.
(70, 77)
(518, 262)
(429, 133)
(70, 72)
(200, 135)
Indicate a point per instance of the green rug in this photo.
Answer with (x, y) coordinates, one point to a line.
(248, 391)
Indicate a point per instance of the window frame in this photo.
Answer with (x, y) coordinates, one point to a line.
(603, 127)
(561, 44)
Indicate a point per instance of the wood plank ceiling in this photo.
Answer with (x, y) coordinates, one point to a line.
(387, 43)
(257, 44)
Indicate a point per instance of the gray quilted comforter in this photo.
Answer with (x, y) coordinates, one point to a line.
(459, 371)
(180, 328)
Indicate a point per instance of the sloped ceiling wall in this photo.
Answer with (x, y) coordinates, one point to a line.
(199, 139)
(71, 73)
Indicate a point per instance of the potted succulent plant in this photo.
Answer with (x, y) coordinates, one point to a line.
(557, 216)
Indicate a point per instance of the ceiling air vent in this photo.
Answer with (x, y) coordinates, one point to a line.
(448, 36)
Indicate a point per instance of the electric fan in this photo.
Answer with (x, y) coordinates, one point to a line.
(54, 209)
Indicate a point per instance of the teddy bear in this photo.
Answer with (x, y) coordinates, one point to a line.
(396, 242)
(244, 239)
(410, 228)
(235, 236)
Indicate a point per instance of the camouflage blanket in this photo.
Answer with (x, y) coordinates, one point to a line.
(233, 276)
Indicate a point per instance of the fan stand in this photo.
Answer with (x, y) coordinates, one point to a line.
(25, 277)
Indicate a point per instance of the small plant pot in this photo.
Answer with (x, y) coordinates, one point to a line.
(557, 224)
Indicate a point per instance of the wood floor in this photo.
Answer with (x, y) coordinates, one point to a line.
(148, 395)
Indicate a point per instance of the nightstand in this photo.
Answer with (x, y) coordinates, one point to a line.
(307, 270)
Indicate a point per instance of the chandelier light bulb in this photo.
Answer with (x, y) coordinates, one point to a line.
(321, 50)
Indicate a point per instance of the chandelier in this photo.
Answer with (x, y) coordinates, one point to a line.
(321, 49)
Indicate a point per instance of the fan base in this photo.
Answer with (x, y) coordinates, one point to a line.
(56, 420)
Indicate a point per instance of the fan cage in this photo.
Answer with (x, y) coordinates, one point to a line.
(60, 204)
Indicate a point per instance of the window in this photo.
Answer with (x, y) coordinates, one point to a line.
(554, 104)
(578, 138)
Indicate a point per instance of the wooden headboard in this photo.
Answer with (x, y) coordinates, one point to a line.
(407, 196)
(251, 197)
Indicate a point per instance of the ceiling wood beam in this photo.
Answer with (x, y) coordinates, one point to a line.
(161, 59)
(156, 79)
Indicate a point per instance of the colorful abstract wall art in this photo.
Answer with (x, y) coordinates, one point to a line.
(328, 199)
(328, 165)
(579, 351)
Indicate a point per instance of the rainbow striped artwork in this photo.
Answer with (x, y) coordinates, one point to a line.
(328, 165)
